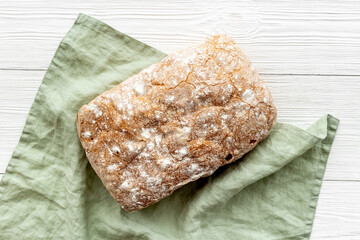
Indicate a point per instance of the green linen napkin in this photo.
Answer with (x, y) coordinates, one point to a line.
(50, 191)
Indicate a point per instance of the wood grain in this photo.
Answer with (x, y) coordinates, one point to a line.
(307, 52)
(298, 37)
(337, 213)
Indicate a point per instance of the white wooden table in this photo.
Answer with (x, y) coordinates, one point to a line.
(308, 52)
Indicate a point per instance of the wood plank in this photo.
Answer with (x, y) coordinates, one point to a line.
(301, 100)
(301, 37)
(281, 37)
(338, 211)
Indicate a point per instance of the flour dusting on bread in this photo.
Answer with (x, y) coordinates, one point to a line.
(176, 121)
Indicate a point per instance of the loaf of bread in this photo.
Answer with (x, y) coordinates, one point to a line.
(176, 121)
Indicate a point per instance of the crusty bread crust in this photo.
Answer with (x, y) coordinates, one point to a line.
(176, 121)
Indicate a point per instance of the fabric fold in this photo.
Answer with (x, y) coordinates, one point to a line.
(267, 159)
(50, 191)
(285, 150)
